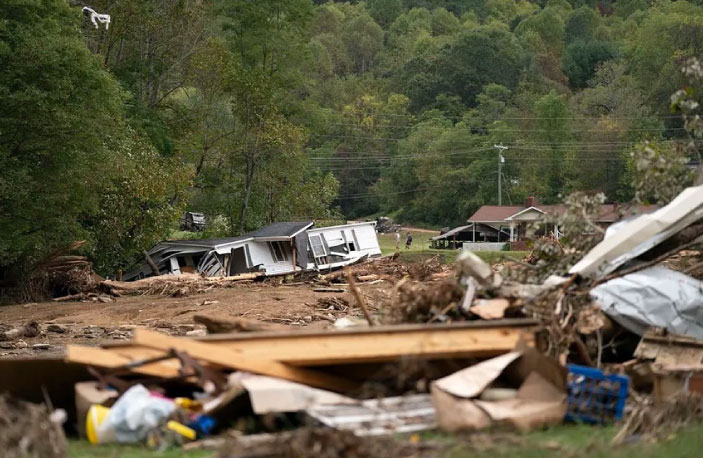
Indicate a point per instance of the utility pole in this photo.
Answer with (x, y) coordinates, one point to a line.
(501, 160)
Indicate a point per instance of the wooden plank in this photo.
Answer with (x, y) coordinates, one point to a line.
(222, 355)
(94, 356)
(378, 344)
(349, 348)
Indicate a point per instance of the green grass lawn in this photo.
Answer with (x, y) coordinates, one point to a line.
(573, 441)
(83, 449)
(420, 249)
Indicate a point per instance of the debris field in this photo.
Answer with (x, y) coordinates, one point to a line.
(303, 365)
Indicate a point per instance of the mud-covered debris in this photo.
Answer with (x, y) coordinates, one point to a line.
(333, 303)
(651, 419)
(320, 443)
(391, 267)
(27, 431)
(417, 302)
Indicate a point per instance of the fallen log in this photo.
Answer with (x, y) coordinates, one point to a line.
(225, 325)
(329, 290)
(185, 279)
(70, 297)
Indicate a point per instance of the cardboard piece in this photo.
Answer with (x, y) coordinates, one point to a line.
(540, 399)
(87, 394)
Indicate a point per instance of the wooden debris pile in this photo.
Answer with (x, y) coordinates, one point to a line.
(416, 302)
(174, 285)
(333, 303)
(654, 420)
(60, 274)
(390, 268)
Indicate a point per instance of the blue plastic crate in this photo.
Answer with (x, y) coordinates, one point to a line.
(595, 397)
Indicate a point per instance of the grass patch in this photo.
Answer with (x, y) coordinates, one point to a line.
(577, 441)
(83, 449)
(573, 441)
(420, 249)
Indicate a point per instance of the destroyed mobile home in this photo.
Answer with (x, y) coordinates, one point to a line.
(619, 337)
(276, 249)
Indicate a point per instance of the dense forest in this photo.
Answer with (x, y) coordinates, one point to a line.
(256, 111)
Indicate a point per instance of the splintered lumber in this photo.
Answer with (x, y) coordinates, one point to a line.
(378, 344)
(98, 357)
(233, 359)
(357, 295)
(383, 343)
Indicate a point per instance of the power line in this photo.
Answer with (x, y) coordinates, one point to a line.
(486, 126)
(367, 137)
(444, 118)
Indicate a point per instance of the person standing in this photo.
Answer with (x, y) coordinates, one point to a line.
(408, 241)
(396, 237)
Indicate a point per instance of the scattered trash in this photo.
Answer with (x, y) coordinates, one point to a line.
(130, 419)
(618, 339)
(595, 397)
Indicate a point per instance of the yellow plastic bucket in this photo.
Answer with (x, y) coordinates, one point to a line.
(96, 416)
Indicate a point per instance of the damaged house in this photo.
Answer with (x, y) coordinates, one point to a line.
(494, 225)
(276, 249)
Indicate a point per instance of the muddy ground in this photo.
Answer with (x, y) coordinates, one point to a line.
(94, 321)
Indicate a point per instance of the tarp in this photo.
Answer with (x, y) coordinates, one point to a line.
(639, 235)
(654, 297)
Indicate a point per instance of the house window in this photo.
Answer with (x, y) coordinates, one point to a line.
(319, 252)
(277, 252)
(318, 249)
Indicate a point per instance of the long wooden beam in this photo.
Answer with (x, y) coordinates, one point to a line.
(223, 356)
(99, 357)
(378, 344)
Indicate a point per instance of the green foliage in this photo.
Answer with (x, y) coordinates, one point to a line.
(292, 109)
(72, 168)
(658, 173)
(581, 59)
(488, 54)
(581, 24)
(138, 204)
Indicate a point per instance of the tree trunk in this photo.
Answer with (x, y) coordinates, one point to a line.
(249, 184)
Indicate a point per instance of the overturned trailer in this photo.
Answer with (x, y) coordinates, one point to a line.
(276, 249)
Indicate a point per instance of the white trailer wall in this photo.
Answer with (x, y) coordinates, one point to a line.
(260, 254)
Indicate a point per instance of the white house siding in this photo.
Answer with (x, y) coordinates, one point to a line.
(260, 254)
(368, 241)
(363, 236)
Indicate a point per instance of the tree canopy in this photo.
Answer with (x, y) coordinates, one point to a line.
(253, 112)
